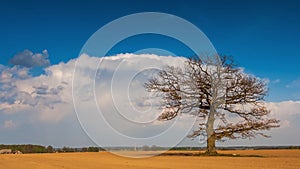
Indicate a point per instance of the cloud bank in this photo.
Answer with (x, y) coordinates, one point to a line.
(45, 103)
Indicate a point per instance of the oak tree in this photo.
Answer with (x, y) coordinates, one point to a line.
(214, 89)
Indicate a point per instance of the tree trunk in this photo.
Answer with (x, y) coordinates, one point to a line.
(211, 146)
(211, 139)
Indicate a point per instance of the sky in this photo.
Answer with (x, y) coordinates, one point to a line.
(42, 40)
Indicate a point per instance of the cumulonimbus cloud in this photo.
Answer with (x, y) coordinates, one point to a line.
(54, 87)
(48, 97)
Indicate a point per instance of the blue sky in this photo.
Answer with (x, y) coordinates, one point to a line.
(263, 37)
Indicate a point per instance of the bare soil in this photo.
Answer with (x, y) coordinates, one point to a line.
(247, 159)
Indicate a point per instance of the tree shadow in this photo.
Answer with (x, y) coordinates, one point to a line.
(199, 154)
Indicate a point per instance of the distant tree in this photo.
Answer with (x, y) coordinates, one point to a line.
(145, 148)
(84, 149)
(68, 149)
(214, 89)
(154, 148)
(50, 149)
(93, 149)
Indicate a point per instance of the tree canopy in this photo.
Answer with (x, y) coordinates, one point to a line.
(214, 89)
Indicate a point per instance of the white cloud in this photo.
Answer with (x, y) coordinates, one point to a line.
(285, 111)
(41, 94)
(276, 81)
(48, 98)
(285, 108)
(50, 94)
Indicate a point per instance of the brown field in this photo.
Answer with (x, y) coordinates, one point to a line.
(272, 159)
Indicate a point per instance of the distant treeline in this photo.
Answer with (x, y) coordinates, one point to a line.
(239, 148)
(259, 147)
(29, 148)
(83, 149)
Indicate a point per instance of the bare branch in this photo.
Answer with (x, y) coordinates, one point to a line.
(210, 90)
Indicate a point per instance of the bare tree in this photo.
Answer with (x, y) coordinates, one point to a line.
(211, 90)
